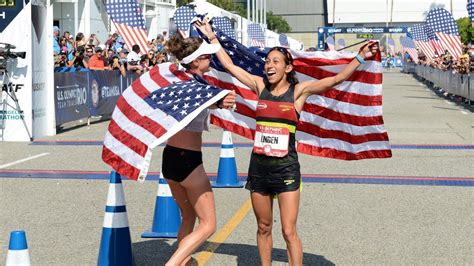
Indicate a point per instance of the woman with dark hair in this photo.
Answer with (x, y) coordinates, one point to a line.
(274, 170)
(187, 179)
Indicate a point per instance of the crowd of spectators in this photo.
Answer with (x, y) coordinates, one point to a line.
(446, 62)
(113, 54)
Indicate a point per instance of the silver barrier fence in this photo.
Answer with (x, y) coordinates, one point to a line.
(453, 83)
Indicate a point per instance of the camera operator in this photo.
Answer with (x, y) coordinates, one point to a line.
(115, 64)
(78, 60)
(133, 60)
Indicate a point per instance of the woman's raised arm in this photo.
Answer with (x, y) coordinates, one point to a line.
(253, 82)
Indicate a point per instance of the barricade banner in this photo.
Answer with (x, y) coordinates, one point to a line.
(105, 88)
(71, 92)
(82, 94)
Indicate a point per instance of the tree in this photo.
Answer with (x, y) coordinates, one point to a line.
(277, 23)
(466, 31)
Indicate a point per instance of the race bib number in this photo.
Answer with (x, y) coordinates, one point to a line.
(271, 141)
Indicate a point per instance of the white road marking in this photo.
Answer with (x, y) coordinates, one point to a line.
(23, 160)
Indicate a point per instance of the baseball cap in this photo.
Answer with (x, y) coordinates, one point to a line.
(56, 29)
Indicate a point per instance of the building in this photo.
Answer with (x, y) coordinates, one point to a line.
(303, 16)
(90, 16)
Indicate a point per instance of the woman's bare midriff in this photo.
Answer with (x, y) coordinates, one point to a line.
(186, 140)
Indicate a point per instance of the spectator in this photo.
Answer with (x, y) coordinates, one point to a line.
(96, 62)
(151, 59)
(78, 59)
(93, 40)
(56, 47)
(80, 40)
(115, 64)
(133, 60)
(123, 56)
(110, 43)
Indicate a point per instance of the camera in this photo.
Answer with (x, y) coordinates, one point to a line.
(6, 53)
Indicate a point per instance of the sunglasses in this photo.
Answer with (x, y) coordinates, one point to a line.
(204, 56)
(282, 50)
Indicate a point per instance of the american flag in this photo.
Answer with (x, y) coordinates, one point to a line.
(409, 47)
(155, 107)
(283, 39)
(391, 46)
(341, 43)
(127, 18)
(344, 123)
(422, 41)
(446, 29)
(182, 18)
(433, 39)
(330, 43)
(470, 10)
(256, 35)
(224, 25)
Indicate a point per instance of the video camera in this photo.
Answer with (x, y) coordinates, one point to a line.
(6, 53)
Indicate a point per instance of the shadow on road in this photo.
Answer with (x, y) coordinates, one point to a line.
(156, 252)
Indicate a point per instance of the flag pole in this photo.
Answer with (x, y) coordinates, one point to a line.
(352, 45)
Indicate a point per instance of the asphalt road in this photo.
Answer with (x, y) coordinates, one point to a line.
(414, 208)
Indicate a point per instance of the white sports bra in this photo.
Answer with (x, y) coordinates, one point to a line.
(200, 123)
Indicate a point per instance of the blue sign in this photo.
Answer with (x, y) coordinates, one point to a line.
(328, 31)
(9, 9)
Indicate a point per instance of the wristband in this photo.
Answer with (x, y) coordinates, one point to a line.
(360, 59)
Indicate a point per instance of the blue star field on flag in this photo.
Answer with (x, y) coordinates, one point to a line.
(182, 98)
(127, 12)
(407, 42)
(241, 56)
(283, 39)
(418, 32)
(255, 33)
(429, 32)
(440, 20)
(223, 24)
(183, 16)
(470, 9)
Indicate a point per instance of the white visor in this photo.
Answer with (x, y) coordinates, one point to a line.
(205, 48)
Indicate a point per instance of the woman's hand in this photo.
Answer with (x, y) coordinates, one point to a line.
(205, 28)
(228, 101)
(369, 49)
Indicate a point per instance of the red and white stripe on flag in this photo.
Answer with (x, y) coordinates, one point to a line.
(450, 42)
(132, 36)
(257, 43)
(344, 123)
(427, 48)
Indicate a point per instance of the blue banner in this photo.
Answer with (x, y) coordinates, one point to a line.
(71, 93)
(80, 95)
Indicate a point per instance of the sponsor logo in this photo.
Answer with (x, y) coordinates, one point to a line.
(261, 106)
(95, 93)
(11, 87)
(285, 107)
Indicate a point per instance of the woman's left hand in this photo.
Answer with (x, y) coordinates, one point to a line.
(369, 50)
(229, 100)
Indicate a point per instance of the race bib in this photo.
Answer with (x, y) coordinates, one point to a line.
(271, 141)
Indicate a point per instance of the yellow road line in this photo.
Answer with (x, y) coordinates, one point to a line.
(223, 234)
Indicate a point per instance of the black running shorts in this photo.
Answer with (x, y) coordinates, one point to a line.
(179, 163)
